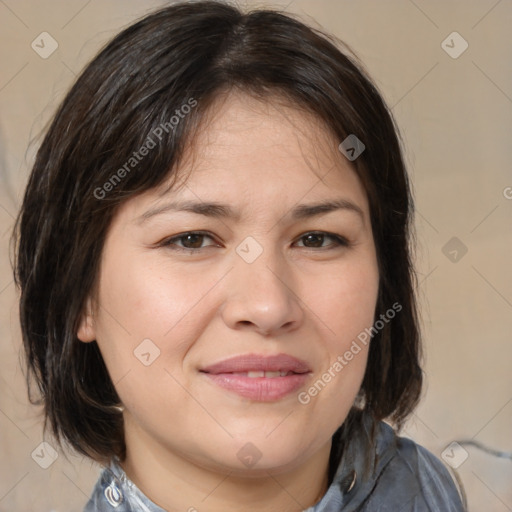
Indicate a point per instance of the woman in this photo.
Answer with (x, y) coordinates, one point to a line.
(217, 298)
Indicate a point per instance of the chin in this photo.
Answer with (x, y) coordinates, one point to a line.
(262, 455)
(265, 466)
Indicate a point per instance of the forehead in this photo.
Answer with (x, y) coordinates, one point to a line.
(263, 144)
(257, 156)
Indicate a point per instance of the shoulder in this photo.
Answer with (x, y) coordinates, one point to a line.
(414, 477)
(379, 471)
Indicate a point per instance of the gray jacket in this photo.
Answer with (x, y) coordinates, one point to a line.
(404, 477)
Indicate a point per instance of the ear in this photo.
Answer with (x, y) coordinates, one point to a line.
(86, 328)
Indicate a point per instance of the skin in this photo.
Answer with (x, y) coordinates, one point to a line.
(307, 297)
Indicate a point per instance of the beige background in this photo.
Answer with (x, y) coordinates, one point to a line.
(456, 118)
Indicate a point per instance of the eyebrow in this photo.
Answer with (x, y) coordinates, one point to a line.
(219, 210)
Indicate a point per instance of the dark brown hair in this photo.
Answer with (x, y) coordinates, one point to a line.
(127, 94)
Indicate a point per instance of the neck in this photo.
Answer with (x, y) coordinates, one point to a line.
(177, 484)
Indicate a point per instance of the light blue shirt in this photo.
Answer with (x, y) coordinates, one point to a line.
(404, 477)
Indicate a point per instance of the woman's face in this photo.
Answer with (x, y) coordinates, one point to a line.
(264, 275)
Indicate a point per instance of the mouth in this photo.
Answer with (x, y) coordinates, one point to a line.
(255, 364)
(255, 374)
(259, 378)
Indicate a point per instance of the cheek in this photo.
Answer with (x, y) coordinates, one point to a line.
(345, 301)
(346, 308)
(141, 301)
(150, 300)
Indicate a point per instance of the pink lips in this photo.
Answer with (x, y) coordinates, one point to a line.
(259, 378)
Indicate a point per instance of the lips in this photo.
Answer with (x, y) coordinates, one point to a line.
(258, 363)
(268, 375)
(259, 378)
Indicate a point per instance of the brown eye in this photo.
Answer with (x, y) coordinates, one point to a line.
(191, 241)
(316, 239)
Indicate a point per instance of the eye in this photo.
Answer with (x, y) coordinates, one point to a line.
(192, 241)
(316, 239)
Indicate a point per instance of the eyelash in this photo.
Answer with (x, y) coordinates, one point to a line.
(170, 242)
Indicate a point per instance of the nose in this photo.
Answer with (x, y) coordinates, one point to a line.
(260, 296)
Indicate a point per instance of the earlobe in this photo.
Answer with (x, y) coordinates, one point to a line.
(86, 328)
